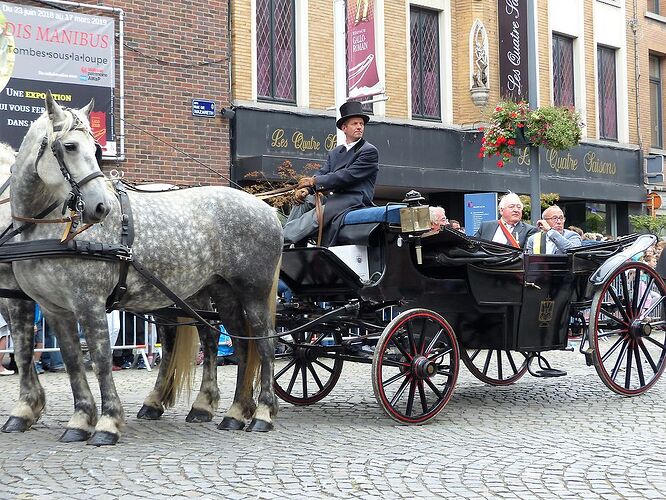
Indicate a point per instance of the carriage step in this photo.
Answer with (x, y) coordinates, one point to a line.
(589, 352)
(549, 372)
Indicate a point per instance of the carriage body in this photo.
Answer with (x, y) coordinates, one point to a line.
(487, 298)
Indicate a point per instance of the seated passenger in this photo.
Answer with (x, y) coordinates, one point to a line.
(552, 238)
(509, 229)
(347, 180)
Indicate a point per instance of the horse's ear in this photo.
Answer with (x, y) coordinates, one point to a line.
(88, 108)
(53, 108)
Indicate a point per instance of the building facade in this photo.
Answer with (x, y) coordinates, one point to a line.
(172, 52)
(443, 66)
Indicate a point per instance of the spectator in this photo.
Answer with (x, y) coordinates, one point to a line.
(456, 225)
(577, 230)
(51, 361)
(552, 238)
(510, 228)
(134, 333)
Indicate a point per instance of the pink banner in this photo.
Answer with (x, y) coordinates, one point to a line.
(362, 76)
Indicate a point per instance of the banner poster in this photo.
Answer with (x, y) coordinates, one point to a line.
(513, 60)
(362, 75)
(479, 208)
(70, 54)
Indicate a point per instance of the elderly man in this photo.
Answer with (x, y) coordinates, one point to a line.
(509, 229)
(347, 179)
(553, 238)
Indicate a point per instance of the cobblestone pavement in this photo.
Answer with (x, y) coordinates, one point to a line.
(567, 437)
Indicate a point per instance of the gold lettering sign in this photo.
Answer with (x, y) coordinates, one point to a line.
(523, 157)
(594, 165)
(558, 162)
(546, 312)
(331, 142)
(278, 140)
(303, 144)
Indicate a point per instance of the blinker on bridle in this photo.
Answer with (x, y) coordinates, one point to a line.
(74, 200)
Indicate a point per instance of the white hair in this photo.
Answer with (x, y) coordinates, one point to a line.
(509, 197)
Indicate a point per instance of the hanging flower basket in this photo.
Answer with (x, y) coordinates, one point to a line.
(514, 125)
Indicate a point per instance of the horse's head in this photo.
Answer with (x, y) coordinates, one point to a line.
(68, 162)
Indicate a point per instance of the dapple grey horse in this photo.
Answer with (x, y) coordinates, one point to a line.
(202, 242)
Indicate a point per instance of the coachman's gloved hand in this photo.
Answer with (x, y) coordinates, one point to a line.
(300, 195)
(306, 182)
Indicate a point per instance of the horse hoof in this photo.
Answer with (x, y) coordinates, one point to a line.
(15, 424)
(231, 424)
(149, 413)
(259, 426)
(74, 436)
(103, 438)
(198, 416)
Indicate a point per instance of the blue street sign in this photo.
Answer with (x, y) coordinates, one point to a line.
(203, 107)
(479, 207)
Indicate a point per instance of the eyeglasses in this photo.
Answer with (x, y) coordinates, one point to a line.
(556, 217)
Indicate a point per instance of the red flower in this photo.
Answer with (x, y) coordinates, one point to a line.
(498, 109)
(514, 115)
(483, 140)
(481, 129)
(511, 142)
(480, 155)
(500, 164)
(482, 149)
(521, 125)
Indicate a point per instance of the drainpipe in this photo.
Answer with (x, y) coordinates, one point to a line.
(633, 25)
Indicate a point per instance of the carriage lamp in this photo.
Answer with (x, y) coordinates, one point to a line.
(415, 218)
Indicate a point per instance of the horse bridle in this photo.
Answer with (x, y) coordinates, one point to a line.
(74, 200)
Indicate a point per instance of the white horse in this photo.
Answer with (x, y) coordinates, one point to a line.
(202, 242)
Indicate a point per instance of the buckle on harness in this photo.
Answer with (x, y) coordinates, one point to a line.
(128, 256)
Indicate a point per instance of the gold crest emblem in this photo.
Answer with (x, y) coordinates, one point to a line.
(546, 311)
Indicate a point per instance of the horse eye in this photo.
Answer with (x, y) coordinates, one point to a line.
(70, 146)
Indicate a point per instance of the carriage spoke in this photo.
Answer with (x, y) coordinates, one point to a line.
(304, 380)
(292, 381)
(412, 342)
(476, 353)
(612, 348)
(424, 400)
(639, 367)
(315, 377)
(433, 342)
(652, 307)
(410, 397)
(486, 365)
(395, 342)
(499, 364)
(627, 375)
(618, 303)
(655, 342)
(325, 367)
(400, 391)
(625, 293)
(291, 363)
(612, 317)
(390, 380)
(423, 337)
(610, 333)
(434, 388)
(648, 356)
(645, 296)
(439, 353)
(620, 357)
(636, 291)
(511, 362)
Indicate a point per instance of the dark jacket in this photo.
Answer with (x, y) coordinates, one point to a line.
(522, 230)
(348, 181)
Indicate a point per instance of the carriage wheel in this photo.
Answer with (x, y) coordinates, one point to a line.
(415, 366)
(627, 329)
(302, 375)
(494, 366)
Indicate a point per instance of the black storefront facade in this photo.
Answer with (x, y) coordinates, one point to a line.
(599, 184)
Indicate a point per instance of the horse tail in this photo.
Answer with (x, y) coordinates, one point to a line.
(180, 372)
(253, 361)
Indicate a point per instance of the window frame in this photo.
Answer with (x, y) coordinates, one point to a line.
(657, 7)
(602, 92)
(657, 81)
(560, 41)
(420, 11)
(272, 57)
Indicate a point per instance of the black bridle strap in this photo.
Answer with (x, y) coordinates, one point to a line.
(126, 239)
(11, 231)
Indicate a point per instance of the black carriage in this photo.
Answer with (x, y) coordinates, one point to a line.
(416, 305)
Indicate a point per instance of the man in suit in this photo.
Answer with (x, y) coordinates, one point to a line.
(347, 180)
(553, 238)
(509, 229)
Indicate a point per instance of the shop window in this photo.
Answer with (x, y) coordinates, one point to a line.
(606, 80)
(276, 50)
(656, 104)
(563, 71)
(424, 45)
(653, 6)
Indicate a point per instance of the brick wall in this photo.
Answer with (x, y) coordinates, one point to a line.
(175, 50)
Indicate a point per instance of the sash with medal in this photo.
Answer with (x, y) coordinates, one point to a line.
(510, 239)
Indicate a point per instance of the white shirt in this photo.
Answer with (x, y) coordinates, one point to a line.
(499, 236)
(351, 145)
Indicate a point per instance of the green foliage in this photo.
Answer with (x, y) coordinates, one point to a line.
(595, 223)
(552, 127)
(648, 224)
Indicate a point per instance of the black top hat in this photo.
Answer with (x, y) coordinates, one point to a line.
(349, 110)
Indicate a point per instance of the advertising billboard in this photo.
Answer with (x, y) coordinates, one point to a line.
(70, 54)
